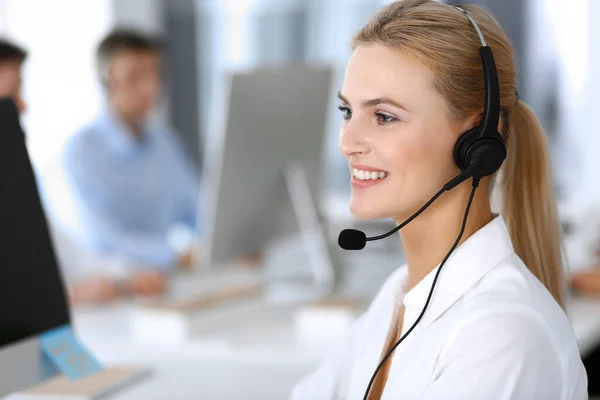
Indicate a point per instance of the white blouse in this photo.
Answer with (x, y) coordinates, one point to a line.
(491, 331)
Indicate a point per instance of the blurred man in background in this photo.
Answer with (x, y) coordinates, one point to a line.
(131, 178)
(12, 58)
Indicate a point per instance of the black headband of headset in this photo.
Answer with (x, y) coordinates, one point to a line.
(491, 108)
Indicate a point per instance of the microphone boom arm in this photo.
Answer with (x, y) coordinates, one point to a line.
(463, 176)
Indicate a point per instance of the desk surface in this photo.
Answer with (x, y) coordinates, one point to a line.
(256, 360)
(208, 376)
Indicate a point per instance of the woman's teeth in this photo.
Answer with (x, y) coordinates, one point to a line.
(368, 175)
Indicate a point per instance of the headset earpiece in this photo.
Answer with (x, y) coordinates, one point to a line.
(488, 150)
(483, 144)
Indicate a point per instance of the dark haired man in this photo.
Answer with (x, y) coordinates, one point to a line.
(131, 178)
(12, 58)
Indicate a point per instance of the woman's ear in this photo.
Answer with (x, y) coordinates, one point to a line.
(471, 121)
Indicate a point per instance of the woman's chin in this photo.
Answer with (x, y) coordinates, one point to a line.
(366, 212)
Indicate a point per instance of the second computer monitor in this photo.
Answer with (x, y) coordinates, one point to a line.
(272, 143)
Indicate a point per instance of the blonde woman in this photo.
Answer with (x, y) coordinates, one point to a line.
(494, 326)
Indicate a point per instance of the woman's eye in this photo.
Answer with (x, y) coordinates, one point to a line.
(383, 119)
(346, 113)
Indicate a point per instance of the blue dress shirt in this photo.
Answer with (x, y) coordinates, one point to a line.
(130, 191)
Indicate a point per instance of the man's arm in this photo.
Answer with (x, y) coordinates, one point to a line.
(587, 282)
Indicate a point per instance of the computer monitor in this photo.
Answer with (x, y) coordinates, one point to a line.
(32, 295)
(264, 169)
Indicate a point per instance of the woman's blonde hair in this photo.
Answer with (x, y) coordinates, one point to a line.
(443, 39)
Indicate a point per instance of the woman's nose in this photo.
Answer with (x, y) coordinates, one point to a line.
(353, 140)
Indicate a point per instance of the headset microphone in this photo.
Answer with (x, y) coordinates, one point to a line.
(352, 239)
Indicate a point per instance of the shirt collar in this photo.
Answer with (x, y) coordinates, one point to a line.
(469, 262)
(119, 135)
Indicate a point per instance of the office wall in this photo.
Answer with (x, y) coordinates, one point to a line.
(225, 41)
(573, 35)
(591, 144)
(141, 14)
(593, 101)
(182, 52)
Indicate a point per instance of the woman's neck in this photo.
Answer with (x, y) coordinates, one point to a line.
(428, 238)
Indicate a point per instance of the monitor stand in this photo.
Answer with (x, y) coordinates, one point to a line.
(322, 258)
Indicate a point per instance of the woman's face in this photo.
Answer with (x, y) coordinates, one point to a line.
(396, 133)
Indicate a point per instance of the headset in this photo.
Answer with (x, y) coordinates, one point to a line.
(479, 152)
(484, 144)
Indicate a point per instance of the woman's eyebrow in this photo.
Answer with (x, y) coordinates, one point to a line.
(374, 102)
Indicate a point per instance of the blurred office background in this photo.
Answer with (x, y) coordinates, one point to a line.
(206, 38)
(558, 47)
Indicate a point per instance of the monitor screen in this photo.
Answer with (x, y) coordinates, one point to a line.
(32, 295)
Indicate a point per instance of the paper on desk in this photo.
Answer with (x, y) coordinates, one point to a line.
(68, 354)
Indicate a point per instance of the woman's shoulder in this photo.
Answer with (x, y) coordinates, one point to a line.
(511, 301)
(514, 340)
(510, 287)
(512, 284)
